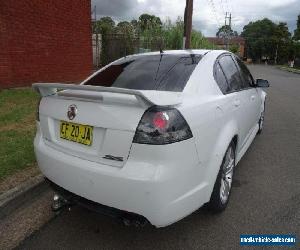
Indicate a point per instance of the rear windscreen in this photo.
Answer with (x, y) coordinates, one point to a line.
(149, 72)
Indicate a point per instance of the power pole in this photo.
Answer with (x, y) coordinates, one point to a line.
(188, 17)
(227, 31)
(94, 19)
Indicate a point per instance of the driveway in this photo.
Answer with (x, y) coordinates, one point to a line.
(265, 197)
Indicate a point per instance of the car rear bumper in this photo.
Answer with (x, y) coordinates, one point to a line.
(161, 183)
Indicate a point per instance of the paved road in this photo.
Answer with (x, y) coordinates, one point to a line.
(265, 198)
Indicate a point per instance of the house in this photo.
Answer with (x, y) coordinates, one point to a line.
(44, 41)
(221, 43)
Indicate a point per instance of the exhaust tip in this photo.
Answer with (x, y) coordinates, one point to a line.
(136, 221)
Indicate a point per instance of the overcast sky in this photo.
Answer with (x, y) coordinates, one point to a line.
(208, 14)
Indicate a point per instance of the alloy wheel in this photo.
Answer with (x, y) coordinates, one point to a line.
(227, 174)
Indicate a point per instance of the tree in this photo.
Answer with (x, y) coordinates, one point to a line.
(267, 40)
(263, 37)
(125, 28)
(234, 48)
(226, 30)
(104, 25)
(147, 21)
(198, 41)
(147, 32)
(173, 33)
(127, 32)
(150, 29)
(294, 45)
(135, 25)
(282, 37)
(124, 25)
(297, 30)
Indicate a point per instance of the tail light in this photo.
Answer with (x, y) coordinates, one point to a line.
(162, 125)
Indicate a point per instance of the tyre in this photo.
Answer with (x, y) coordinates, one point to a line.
(261, 120)
(221, 192)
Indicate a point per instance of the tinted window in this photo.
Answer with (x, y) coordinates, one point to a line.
(148, 72)
(220, 79)
(245, 73)
(231, 72)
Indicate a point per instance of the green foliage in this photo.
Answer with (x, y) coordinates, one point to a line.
(151, 32)
(147, 22)
(297, 30)
(125, 28)
(104, 25)
(170, 36)
(148, 32)
(173, 34)
(265, 39)
(128, 33)
(134, 23)
(294, 50)
(234, 48)
(198, 41)
(282, 38)
(226, 30)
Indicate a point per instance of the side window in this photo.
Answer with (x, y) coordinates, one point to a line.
(231, 72)
(245, 73)
(221, 79)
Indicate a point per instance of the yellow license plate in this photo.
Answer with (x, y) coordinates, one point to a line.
(76, 132)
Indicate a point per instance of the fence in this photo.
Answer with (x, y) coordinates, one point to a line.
(96, 43)
(109, 47)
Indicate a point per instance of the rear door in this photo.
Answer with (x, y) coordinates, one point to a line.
(239, 98)
(250, 93)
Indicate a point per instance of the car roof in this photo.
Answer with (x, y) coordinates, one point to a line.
(181, 52)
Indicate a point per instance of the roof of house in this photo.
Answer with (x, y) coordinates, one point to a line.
(222, 41)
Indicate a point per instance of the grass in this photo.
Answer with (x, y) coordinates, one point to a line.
(287, 68)
(17, 129)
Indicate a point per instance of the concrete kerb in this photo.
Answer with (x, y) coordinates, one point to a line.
(17, 196)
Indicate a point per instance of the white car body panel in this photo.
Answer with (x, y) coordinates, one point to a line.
(163, 183)
(150, 97)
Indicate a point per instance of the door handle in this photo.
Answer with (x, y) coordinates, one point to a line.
(237, 103)
(253, 97)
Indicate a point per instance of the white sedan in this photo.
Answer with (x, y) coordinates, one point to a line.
(150, 137)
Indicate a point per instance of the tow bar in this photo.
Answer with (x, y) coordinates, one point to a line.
(59, 203)
(64, 199)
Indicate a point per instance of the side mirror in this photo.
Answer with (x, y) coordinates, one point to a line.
(261, 83)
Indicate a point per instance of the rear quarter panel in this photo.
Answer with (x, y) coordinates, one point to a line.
(212, 118)
(213, 124)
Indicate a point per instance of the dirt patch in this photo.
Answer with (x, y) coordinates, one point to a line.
(18, 178)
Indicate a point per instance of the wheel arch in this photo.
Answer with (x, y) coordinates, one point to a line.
(235, 142)
(227, 135)
(263, 95)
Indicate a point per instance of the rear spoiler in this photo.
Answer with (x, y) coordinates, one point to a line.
(148, 97)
